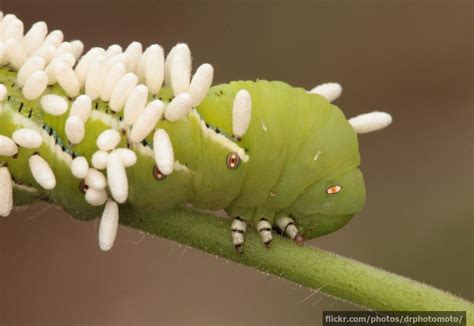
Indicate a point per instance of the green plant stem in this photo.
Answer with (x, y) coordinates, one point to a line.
(326, 272)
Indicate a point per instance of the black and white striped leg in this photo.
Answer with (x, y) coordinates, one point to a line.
(238, 228)
(265, 230)
(288, 227)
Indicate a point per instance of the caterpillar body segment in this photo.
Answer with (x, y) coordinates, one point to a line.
(131, 128)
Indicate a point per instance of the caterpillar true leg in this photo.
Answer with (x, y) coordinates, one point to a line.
(288, 227)
(238, 228)
(265, 230)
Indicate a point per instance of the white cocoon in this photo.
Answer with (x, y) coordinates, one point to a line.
(42, 172)
(95, 179)
(180, 69)
(6, 192)
(331, 91)
(179, 107)
(74, 129)
(81, 107)
(128, 157)
(54, 37)
(122, 91)
(108, 139)
(54, 104)
(201, 83)
(241, 113)
(94, 79)
(135, 104)
(108, 225)
(146, 121)
(80, 167)
(117, 178)
(3, 92)
(99, 159)
(163, 149)
(30, 66)
(369, 122)
(112, 77)
(154, 68)
(34, 38)
(35, 85)
(15, 53)
(96, 197)
(67, 79)
(133, 51)
(27, 138)
(7, 146)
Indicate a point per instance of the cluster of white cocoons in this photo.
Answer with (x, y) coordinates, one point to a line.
(7, 148)
(40, 170)
(124, 78)
(115, 161)
(41, 58)
(108, 157)
(29, 139)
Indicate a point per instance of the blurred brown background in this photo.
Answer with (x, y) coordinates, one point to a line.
(410, 58)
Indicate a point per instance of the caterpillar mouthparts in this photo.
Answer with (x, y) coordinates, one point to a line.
(136, 127)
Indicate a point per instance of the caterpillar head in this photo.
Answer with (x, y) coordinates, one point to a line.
(328, 205)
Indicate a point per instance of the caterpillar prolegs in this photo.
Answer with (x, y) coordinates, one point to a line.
(135, 128)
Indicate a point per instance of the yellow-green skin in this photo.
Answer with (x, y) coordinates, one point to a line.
(297, 145)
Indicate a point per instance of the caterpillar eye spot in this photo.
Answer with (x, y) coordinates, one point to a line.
(157, 174)
(333, 190)
(83, 187)
(233, 161)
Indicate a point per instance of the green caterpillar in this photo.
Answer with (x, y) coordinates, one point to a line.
(102, 130)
